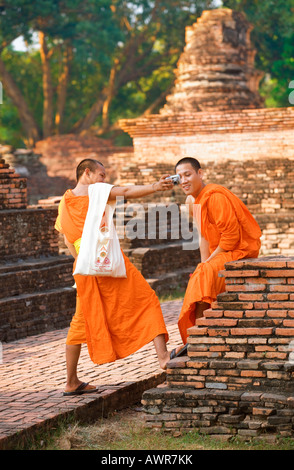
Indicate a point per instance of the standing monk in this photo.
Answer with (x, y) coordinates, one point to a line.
(228, 232)
(114, 316)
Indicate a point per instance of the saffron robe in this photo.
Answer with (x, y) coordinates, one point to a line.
(116, 316)
(226, 222)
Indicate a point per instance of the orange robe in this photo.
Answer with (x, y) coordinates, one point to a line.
(115, 316)
(225, 222)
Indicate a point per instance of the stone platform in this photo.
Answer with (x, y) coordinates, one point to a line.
(238, 376)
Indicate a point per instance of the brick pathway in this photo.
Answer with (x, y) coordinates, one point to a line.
(33, 373)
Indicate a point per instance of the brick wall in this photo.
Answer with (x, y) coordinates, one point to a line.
(264, 185)
(213, 136)
(13, 188)
(36, 292)
(28, 233)
(238, 376)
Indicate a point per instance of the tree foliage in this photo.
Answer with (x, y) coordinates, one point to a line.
(273, 38)
(101, 60)
(98, 60)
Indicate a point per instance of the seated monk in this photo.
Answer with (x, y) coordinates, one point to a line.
(228, 232)
(114, 316)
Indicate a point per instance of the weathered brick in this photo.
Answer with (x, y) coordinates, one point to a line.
(258, 411)
(218, 332)
(195, 330)
(233, 313)
(282, 273)
(255, 313)
(277, 305)
(285, 331)
(252, 373)
(250, 297)
(252, 331)
(278, 296)
(289, 323)
(215, 322)
(246, 287)
(241, 274)
(277, 313)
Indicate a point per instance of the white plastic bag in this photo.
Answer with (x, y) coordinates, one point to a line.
(100, 253)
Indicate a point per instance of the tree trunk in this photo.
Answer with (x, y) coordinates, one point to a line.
(26, 117)
(128, 71)
(110, 94)
(89, 120)
(62, 88)
(47, 87)
(160, 100)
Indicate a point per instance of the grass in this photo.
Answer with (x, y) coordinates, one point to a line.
(177, 294)
(125, 430)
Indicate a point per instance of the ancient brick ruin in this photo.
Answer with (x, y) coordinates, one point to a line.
(216, 69)
(13, 191)
(237, 379)
(36, 293)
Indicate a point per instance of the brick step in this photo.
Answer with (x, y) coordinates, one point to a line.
(207, 372)
(29, 276)
(239, 365)
(131, 244)
(165, 258)
(169, 283)
(241, 413)
(30, 314)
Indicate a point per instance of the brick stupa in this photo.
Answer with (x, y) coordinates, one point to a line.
(216, 69)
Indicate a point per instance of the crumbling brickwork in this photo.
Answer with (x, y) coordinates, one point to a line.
(216, 69)
(13, 189)
(238, 376)
(36, 292)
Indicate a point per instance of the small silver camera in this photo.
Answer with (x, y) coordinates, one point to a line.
(175, 179)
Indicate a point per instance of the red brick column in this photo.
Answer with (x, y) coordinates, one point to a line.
(13, 188)
(238, 375)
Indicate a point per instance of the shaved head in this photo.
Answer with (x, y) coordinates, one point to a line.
(193, 162)
(87, 163)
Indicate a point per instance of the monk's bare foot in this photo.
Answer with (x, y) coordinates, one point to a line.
(163, 360)
(166, 358)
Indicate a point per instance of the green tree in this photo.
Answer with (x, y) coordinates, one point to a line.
(66, 28)
(98, 59)
(273, 38)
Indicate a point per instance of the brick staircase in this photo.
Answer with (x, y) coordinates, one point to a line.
(238, 376)
(36, 296)
(36, 293)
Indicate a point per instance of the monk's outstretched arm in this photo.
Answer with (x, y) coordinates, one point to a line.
(136, 191)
